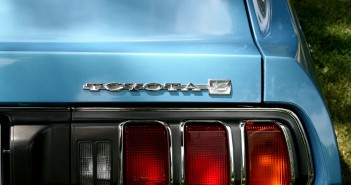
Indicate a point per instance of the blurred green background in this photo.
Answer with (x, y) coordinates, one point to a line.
(327, 27)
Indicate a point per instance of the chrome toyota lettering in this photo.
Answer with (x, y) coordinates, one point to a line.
(214, 87)
(114, 86)
(153, 86)
(192, 87)
(173, 86)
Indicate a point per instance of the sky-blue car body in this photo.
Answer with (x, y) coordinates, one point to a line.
(49, 49)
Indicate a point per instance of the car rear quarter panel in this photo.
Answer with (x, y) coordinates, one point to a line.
(289, 79)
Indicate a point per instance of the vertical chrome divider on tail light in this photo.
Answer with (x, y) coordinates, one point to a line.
(121, 151)
(181, 128)
(230, 143)
(169, 134)
(170, 153)
(231, 152)
(243, 154)
(291, 150)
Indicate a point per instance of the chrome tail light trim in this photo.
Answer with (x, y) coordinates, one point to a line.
(243, 154)
(291, 150)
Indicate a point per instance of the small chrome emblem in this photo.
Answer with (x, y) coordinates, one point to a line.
(219, 87)
(214, 87)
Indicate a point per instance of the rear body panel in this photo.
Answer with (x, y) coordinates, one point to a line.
(59, 77)
(49, 50)
(46, 56)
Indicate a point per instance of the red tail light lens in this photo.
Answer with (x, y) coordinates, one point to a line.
(146, 154)
(206, 154)
(267, 155)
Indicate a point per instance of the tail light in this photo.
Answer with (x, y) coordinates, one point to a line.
(103, 163)
(86, 173)
(146, 154)
(267, 154)
(206, 154)
(95, 163)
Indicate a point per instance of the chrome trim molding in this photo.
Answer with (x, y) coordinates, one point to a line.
(182, 175)
(231, 152)
(243, 154)
(291, 150)
(307, 147)
(170, 152)
(121, 151)
(230, 143)
(169, 134)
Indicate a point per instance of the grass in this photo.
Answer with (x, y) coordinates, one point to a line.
(327, 27)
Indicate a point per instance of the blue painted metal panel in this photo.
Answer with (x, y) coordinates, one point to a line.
(122, 20)
(288, 79)
(286, 82)
(59, 77)
(275, 32)
(279, 33)
(206, 47)
(51, 48)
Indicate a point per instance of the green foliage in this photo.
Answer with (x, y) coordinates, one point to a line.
(327, 27)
